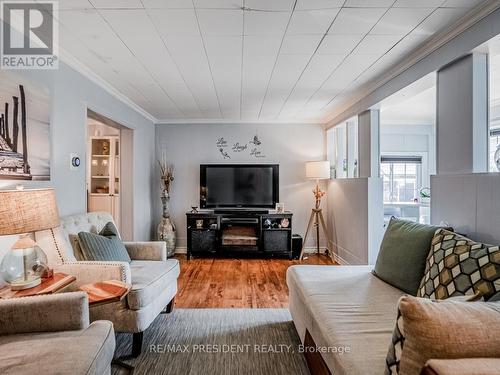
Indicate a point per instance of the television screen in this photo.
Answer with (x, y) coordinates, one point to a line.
(238, 185)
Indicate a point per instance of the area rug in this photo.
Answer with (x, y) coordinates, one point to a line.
(217, 341)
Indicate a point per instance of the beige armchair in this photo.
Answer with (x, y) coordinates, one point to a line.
(152, 275)
(52, 334)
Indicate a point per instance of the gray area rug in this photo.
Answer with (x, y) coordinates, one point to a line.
(217, 341)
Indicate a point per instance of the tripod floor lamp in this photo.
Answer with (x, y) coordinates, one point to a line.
(316, 170)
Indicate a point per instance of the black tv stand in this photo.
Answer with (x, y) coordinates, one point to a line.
(231, 211)
(240, 232)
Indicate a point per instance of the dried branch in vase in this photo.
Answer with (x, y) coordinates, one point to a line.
(167, 176)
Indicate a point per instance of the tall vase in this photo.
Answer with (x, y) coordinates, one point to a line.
(166, 228)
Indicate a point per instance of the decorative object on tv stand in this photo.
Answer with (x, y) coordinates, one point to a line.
(317, 170)
(24, 212)
(166, 228)
(280, 208)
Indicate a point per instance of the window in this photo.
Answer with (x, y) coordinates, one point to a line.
(402, 177)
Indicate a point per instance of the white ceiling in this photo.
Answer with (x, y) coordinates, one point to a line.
(280, 60)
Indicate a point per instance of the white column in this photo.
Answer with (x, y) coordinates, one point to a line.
(462, 116)
(369, 143)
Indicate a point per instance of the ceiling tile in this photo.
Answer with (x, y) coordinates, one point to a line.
(186, 46)
(258, 45)
(220, 22)
(318, 4)
(218, 4)
(418, 4)
(168, 4)
(462, 3)
(339, 44)
(117, 4)
(400, 21)
(300, 44)
(171, 22)
(441, 17)
(311, 21)
(356, 21)
(222, 46)
(377, 44)
(74, 4)
(276, 5)
(369, 3)
(266, 23)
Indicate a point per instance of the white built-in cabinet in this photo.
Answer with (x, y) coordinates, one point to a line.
(103, 181)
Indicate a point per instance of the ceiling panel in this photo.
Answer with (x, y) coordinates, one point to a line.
(369, 3)
(341, 44)
(74, 4)
(318, 4)
(311, 21)
(377, 44)
(356, 20)
(462, 3)
(220, 22)
(441, 17)
(300, 44)
(117, 4)
(258, 45)
(173, 22)
(276, 5)
(218, 4)
(266, 23)
(400, 21)
(168, 4)
(418, 4)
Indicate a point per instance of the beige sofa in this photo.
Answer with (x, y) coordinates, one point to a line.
(52, 335)
(344, 308)
(153, 277)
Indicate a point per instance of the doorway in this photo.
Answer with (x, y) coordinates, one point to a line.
(107, 190)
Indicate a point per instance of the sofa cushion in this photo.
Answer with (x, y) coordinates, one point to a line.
(345, 306)
(447, 329)
(84, 352)
(105, 246)
(149, 280)
(404, 249)
(459, 266)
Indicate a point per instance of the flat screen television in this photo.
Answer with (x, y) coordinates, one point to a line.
(239, 185)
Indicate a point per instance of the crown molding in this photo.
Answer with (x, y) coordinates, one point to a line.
(234, 122)
(81, 68)
(428, 47)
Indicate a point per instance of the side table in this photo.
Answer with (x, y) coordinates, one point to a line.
(55, 284)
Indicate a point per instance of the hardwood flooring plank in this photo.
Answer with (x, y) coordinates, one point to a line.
(236, 283)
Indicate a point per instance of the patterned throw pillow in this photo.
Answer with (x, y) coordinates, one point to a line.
(457, 265)
(105, 246)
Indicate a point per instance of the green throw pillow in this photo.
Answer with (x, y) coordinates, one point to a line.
(105, 246)
(403, 252)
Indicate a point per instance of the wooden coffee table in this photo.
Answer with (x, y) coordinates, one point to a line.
(54, 284)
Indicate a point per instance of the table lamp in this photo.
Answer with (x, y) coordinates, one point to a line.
(316, 170)
(24, 212)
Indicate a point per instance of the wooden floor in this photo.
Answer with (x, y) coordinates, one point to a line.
(240, 283)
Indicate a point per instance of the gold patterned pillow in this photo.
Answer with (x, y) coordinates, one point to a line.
(457, 266)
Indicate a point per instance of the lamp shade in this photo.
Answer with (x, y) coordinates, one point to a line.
(25, 211)
(318, 170)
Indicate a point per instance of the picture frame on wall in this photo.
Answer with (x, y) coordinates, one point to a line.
(280, 208)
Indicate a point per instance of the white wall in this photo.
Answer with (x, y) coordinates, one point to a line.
(416, 140)
(470, 203)
(355, 218)
(187, 146)
(71, 95)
